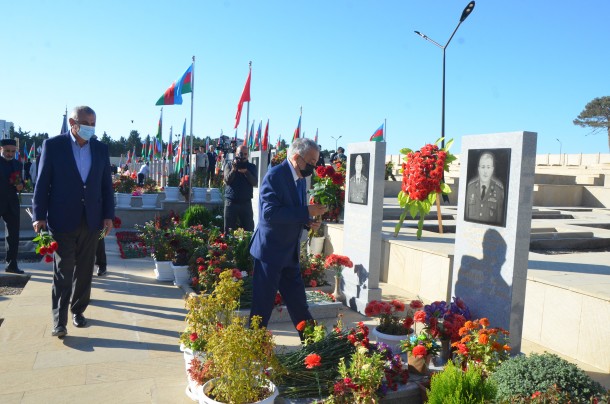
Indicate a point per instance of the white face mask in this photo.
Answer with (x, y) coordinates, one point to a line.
(86, 132)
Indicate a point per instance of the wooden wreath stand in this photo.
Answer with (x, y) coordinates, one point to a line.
(438, 212)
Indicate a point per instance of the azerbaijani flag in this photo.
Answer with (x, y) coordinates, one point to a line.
(25, 152)
(170, 150)
(32, 153)
(297, 131)
(159, 142)
(144, 143)
(173, 95)
(315, 139)
(245, 97)
(179, 157)
(251, 137)
(128, 158)
(265, 144)
(278, 143)
(258, 135)
(378, 135)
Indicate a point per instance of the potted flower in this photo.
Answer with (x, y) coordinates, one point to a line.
(421, 347)
(171, 189)
(360, 379)
(199, 191)
(315, 240)
(157, 239)
(336, 263)
(124, 185)
(149, 194)
(422, 181)
(393, 325)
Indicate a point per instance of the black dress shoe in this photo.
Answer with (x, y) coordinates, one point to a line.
(59, 331)
(101, 271)
(79, 320)
(14, 270)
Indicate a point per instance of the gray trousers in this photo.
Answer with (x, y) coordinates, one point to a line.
(73, 271)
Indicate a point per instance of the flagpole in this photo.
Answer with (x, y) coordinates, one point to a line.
(191, 147)
(248, 110)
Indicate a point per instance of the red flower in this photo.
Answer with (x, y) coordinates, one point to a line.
(536, 394)
(48, 258)
(321, 171)
(416, 304)
(43, 250)
(193, 337)
(117, 222)
(420, 316)
(312, 360)
(337, 179)
(313, 283)
(301, 326)
(419, 351)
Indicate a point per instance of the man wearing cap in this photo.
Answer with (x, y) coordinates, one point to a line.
(10, 184)
(74, 199)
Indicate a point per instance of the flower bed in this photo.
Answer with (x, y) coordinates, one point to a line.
(131, 245)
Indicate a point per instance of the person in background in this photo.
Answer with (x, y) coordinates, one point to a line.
(11, 184)
(74, 200)
(26, 169)
(240, 179)
(143, 173)
(321, 158)
(339, 156)
(283, 215)
(212, 156)
(202, 164)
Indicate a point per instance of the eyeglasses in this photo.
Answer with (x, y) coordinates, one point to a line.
(85, 123)
(307, 162)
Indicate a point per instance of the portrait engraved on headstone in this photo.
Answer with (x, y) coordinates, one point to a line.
(487, 186)
(358, 178)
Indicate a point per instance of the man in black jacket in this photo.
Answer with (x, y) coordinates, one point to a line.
(240, 179)
(10, 184)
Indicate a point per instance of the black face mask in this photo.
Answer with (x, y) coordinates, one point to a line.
(307, 171)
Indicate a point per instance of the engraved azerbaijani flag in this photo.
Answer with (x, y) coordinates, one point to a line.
(173, 95)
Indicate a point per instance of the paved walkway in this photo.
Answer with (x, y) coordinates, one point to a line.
(129, 350)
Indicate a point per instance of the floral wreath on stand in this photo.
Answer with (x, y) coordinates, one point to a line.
(422, 180)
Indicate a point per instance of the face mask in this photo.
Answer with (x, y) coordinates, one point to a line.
(86, 132)
(307, 171)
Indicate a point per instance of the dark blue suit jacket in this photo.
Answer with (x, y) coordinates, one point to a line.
(9, 201)
(281, 219)
(60, 194)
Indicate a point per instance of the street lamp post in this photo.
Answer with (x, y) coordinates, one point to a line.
(336, 140)
(465, 15)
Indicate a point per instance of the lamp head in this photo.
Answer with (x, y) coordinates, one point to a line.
(467, 11)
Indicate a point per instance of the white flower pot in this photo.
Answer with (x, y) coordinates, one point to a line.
(149, 201)
(189, 355)
(199, 194)
(204, 399)
(163, 271)
(181, 275)
(393, 341)
(123, 201)
(316, 245)
(172, 194)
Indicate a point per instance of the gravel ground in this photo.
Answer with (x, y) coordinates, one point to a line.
(12, 285)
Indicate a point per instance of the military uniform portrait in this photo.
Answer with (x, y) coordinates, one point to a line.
(487, 186)
(358, 178)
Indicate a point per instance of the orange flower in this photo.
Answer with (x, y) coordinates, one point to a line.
(301, 326)
(463, 331)
(312, 360)
(496, 346)
(506, 348)
(483, 339)
(469, 325)
(465, 338)
(484, 322)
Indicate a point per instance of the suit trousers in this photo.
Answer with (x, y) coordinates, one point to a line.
(267, 280)
(73, 271)
(238, 212)
(100, 254)
(12, 236)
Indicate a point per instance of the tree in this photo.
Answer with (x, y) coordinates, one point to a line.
(596, 115)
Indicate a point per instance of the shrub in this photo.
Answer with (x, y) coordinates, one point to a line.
(195, 215)
(523, 376)
(454, 386)
(173, 180)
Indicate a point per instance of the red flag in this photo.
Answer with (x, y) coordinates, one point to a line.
(297, 131)
(245, 96)
(128, 157)
(265, 144)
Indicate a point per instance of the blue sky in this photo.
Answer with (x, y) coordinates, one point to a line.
(513, 65)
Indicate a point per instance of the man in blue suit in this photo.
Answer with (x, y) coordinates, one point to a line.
(283, 214)
(74, 199)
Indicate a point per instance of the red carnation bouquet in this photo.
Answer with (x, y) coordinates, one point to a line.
(329, 190)
(337, 262)
(422, 180)
(45, 245)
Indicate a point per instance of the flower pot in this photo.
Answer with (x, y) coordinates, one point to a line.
(338, 294)
(316, 245)
(163, 271)
(181, 274)
(419, 365)
(199, 194)
(207, 388)
(149, 201)
(189, 355)
(171, 194)
(123, 201)
(393, 341)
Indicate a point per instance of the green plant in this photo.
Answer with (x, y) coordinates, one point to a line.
(150, 186)
(523, 376)
(124, 184)
(453, 386)
(361, 378)
(173, 180)
(241, 355)
(195, 215)
(157, 239)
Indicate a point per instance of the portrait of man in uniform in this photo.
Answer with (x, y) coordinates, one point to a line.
(358, 180)
(487, 186)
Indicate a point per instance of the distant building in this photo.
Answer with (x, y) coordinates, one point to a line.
(5, 128)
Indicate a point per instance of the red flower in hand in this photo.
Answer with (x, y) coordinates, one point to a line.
(301, 326)
(313, 360)
(48, 258)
